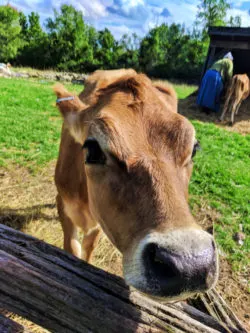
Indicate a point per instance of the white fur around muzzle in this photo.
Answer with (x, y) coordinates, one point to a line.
(184, 242)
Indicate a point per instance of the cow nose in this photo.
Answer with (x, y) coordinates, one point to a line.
(177, 273)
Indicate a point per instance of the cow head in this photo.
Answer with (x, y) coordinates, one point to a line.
(138, 154)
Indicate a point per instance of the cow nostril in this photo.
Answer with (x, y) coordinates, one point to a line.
(186, 263)
(160, 262)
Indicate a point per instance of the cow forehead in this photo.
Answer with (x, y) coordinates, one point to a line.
(129, 113)
(147, 128)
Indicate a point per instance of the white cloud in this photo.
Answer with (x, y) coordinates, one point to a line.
(132, 3)
(93, 8)
(183, 12)
(126, 16)
(245, 17)
(89, 8)
(118, 31)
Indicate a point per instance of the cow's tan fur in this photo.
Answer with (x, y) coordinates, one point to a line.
(137, 126)
(238, 91)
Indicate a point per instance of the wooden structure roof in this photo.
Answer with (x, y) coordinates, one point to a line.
(225, 39)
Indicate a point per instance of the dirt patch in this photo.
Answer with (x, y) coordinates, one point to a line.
(233, 287)
(189, 109)
(28, 204)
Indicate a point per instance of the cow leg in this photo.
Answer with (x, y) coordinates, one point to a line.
(77, 215)
(237, 109)
(223, 113)
(70, 232)
(235, 106)
(232, 117)
(225, 108)
(90, 241)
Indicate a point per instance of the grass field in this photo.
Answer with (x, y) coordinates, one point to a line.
(30, 123)
(221, 177)
(184, 90)
(29, 136)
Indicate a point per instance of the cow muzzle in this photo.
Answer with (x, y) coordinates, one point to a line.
(173, 265)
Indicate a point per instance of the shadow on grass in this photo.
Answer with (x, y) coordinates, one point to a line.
(20, 217)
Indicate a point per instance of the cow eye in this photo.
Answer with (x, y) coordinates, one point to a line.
(94, 153)
(196, 147)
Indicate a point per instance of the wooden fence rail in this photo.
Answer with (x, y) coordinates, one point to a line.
(64, 294)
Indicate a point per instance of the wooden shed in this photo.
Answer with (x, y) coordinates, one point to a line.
(235, 40)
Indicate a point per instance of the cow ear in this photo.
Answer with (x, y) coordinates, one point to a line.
(66, 101)
(70, 106)
(167, 94)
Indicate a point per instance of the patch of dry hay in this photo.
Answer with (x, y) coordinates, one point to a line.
(189, 109)
(28, 204)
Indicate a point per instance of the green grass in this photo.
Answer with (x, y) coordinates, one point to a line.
(29, 136)
(29, 122)
(221, 177)
(184, 90)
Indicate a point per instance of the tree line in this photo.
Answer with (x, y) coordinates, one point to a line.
(68, 43)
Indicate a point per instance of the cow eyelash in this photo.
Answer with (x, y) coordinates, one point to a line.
(121, 164)
(196, 148)
(94, 153)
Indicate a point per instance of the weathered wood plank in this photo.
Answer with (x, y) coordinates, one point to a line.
(63, 294)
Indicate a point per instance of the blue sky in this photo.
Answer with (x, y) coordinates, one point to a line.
(127, 16)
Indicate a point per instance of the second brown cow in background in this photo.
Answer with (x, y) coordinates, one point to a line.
(237, 92)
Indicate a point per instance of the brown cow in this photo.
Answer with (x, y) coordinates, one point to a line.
(125, 163)
(238, 91)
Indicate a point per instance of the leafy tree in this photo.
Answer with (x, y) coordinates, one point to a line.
(151, 52)
(10, 28)
(159, 45)
(68, 43)
(35, 31)
(71, 41)
(35, 42)
(212, 13)
(107, 51)
(172, 52)
(24, 25)
(235, 21)
(129, 51)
